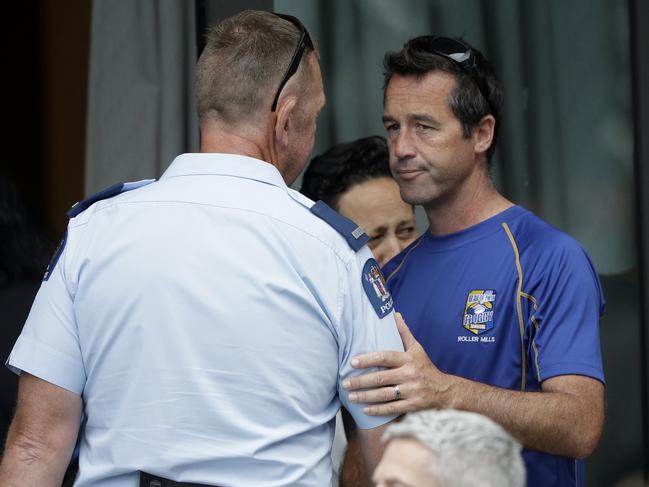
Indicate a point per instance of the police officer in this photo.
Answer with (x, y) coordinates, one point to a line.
(204, 323)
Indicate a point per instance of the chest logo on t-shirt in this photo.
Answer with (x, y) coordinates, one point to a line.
(479, 311)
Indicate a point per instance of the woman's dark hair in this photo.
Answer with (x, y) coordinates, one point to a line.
(24, 249)
(344, 165)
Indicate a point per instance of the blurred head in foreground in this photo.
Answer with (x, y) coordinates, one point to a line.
(449, 449)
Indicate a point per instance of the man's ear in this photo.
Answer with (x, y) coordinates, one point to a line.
(483, 134)
(285, 121)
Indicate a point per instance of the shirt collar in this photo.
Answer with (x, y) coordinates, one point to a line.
(212, 164)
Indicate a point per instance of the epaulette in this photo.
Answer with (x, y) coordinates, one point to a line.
(114, 190)
(355, 236)
(82, 205)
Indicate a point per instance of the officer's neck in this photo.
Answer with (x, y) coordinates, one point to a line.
(219, 138)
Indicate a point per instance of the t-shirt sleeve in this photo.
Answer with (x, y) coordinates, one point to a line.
(565, 323)
(367, 325)
(48, 346)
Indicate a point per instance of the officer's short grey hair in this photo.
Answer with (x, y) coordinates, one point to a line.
(469, 450)
(243, 62)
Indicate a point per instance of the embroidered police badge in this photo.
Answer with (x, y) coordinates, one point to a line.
(376, 289)
(479, 311)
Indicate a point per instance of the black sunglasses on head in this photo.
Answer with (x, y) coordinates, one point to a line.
(305, 41)
(461, 54)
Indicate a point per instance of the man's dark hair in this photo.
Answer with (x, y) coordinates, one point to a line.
(465, 101)
(344, 165)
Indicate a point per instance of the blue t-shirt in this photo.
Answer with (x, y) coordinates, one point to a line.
(509, 302)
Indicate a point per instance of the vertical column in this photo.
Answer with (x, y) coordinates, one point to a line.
(640, 61)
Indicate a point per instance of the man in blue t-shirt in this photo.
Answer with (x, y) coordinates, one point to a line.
(503, 309)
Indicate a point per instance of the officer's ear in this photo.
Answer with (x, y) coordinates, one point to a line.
(483, 134)
(285, 123)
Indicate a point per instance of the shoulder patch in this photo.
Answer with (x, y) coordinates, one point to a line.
(376, 289)
(55, 257)
(114, 190)
(354, 234)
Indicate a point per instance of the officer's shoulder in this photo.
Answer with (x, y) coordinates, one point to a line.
(353, 235)
(79, 209)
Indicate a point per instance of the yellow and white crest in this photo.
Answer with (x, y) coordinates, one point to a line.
(479, 311)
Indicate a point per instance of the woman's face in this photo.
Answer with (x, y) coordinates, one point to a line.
(376, 206)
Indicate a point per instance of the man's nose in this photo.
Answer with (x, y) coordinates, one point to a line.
(403, 146)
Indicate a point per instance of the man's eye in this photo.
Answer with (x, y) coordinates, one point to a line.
(392, 127)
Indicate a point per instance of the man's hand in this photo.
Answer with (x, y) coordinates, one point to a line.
(566, 418)
(421, 385)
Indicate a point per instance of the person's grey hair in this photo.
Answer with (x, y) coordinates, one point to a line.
(242, 64)
(469, 450)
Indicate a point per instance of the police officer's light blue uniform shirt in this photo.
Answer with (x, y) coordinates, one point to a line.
(207, 320)
(509, 302)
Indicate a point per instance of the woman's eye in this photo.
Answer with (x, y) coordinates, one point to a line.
(406, 232)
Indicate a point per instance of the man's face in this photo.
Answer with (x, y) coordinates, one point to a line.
(307, 114)
(376, 206)
(430, 158)
(405, 463)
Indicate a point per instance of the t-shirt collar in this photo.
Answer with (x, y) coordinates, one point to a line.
(473, 233)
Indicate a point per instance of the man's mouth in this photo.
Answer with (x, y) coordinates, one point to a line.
(408, 174)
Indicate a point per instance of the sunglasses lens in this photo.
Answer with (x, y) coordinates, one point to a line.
(450, 48)
(458, 52)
